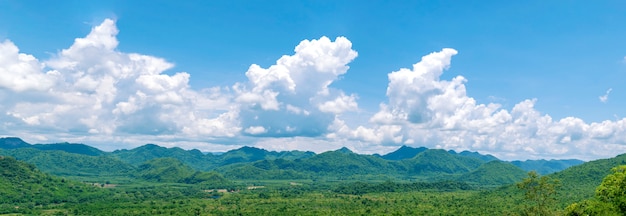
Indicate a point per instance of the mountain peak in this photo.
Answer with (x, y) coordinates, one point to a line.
(12, 142)
(344, 150)
(404, 152)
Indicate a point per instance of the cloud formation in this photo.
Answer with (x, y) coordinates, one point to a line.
(604, 98)
(423, 110)
(94, 93)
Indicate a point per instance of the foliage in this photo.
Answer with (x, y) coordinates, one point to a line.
(540, 194)
(579, 182)
(68, 164)
(142, 154)
(404, 152)
(610, 197)
(494, 173)
(23, 188)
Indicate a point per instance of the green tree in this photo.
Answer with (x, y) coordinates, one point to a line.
(610, 198)
(613, 188)
(539, 193)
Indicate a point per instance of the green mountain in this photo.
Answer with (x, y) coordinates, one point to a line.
(164, 170)
(437, 161)
(251, 154)
(12, 143)
(22, 185)
(171, 170)
(544, 167)
(69, 164)
(193, 158)
(579, 182)
(476, 155)
(344, 164)
(339, 164)
(76, 148)
(404, 152)
(494, 173)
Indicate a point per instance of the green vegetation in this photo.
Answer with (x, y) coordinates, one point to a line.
(153, 180)
(540, 193)
(610, 197)
(494, 173)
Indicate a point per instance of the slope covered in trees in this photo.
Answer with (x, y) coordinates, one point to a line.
(68, 164)
(23, 187)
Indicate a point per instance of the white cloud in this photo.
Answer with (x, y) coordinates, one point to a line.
(22, 72)
(341, 104)
(293, 97)
(424, 110)
(92, 88)
(255, 130)
(93, 93)
(604, 98)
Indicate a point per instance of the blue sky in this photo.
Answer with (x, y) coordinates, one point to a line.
(560, 57)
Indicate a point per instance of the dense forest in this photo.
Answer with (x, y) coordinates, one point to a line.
(76, 179)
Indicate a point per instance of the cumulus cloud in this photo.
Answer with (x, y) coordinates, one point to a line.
(293, 97)
(604, 98)
(423, 110)
(94, 93)
(93, 89)
(22, 72)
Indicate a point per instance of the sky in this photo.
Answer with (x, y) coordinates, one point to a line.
(518, 80)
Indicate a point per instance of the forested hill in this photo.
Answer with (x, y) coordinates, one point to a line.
(22, 185)
(66, 159)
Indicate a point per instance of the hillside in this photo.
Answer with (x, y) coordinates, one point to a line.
(12, 143)
(544, 167)
(494, 173)
(22, 185)
(579, 182)
(171, 170)
(142, 154)
(15, 143)
(422, 164)
(404, 152)
(437, 161)
(68, 164)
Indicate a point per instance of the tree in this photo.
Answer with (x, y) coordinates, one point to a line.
(539, 193)
(613, 188)
(610, 198)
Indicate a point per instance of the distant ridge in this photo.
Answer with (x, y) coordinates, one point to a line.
(206, 162)
(404, 152)
(544, 167)
(12, 143)
(77, 148)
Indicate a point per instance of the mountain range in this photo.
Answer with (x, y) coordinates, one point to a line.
(71, 159)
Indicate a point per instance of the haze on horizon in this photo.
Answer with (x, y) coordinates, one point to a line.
(317, 76)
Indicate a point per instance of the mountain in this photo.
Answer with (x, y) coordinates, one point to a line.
(70, 164)
(76, 148)
(164, 170)
(476, 155)
(494, 173)
(21, 184)
(142, 154)
(12, 143)
(252, 154)
(544, 167)
(338, 164)
(404, 152)
(439, 161)
(343, 164)
(579, 182)
(172, 170)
